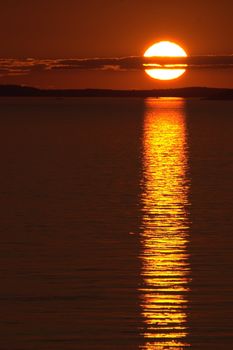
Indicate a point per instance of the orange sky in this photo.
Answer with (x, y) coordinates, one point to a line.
(104, 28)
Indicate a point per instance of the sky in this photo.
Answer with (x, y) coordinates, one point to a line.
(37, 36)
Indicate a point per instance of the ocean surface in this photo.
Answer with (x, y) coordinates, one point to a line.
(116, 224)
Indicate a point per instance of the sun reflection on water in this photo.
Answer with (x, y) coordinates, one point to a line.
(165, 225)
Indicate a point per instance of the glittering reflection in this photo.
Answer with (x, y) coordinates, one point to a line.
(165, 265)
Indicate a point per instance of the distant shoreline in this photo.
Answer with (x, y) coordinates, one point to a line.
(187, 92)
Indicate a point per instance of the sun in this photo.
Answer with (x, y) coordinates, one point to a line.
(164, 49)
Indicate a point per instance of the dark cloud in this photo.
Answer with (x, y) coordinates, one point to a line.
(28, 65)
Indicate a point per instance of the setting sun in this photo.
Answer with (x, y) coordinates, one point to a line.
(164, 49)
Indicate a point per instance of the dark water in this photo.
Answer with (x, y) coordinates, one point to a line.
(116, 224)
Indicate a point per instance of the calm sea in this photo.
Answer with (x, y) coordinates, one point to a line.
(116, 224)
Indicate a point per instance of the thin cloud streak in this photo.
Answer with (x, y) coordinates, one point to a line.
(29, 65)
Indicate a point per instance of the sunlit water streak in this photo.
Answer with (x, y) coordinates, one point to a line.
(165, 226)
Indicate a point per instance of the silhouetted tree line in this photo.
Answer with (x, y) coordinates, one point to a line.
(200, 92)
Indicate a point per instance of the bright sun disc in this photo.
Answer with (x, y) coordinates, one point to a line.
(164, 49)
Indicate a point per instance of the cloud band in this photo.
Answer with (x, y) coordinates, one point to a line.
(10, 66)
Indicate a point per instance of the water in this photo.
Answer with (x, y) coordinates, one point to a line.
(116, 224)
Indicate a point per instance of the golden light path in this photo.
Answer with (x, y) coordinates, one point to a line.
(165, 226)
(164, 49)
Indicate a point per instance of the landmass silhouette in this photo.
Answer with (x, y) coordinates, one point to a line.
(187, 92)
